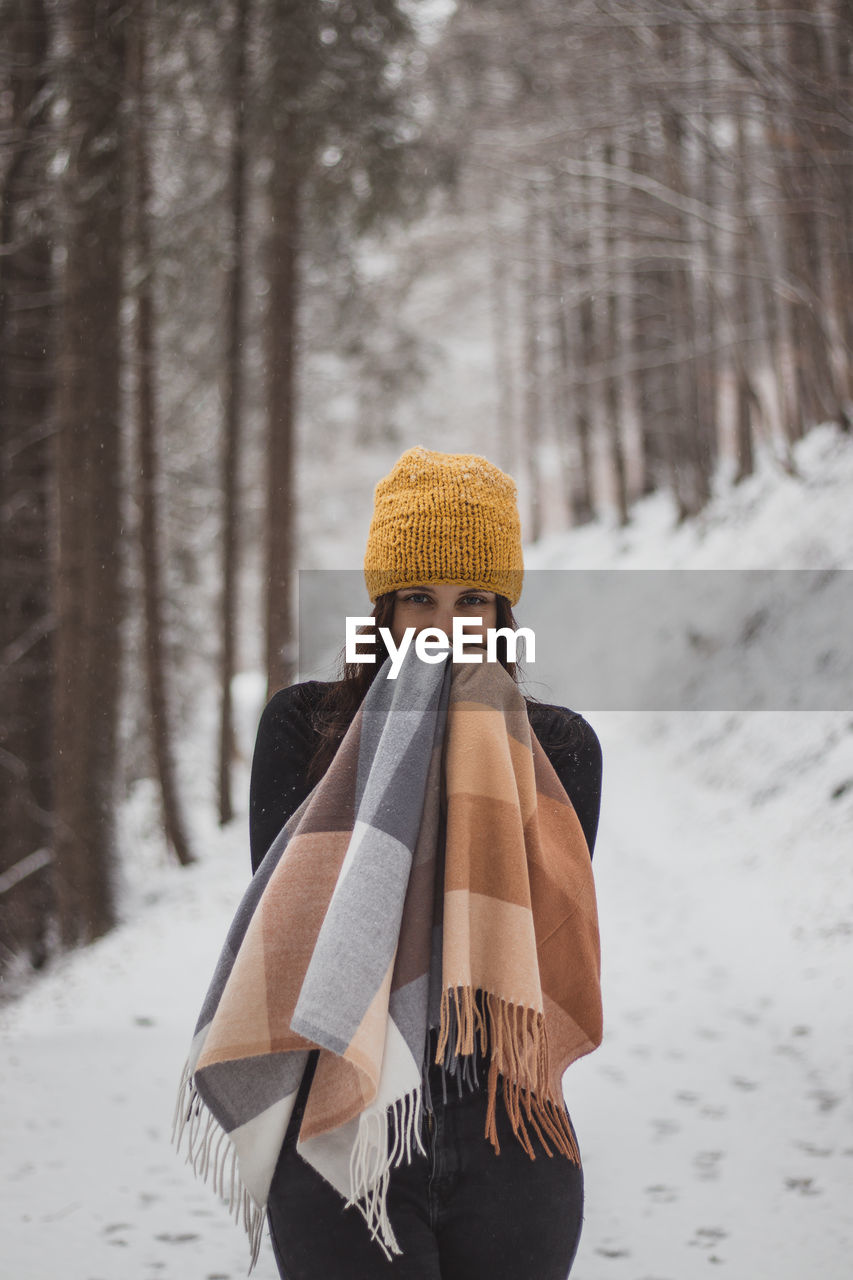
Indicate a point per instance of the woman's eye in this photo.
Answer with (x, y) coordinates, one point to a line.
(418, 596)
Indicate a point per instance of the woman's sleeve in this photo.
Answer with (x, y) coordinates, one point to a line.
(283, 749)
(572, 746)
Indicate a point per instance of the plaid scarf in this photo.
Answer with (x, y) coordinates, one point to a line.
(342, 943)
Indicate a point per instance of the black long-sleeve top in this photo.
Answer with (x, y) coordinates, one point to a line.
(287, 740)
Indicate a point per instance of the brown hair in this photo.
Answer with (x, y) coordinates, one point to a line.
(334, 713)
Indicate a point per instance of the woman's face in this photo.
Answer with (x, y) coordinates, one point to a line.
(436, 604)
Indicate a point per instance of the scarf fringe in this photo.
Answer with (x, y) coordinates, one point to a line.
(374, 1154)
(214, 1158)
(518, 1039)
(384, 1141)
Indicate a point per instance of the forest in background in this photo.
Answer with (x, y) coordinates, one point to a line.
(211, 215)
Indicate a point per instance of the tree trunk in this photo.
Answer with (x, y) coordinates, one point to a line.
(840, 232)
(148, 467)
(558, 314)
(765, 250)
(692, 463)
(581, 344)
(844, 91)
(532, 373)
(27, 307)
(650, 331)
(281, 330)
(233, 403)
(87, 593)
(744, 394)
(817, 395)
(706, 256)
(499, 297)
(612, 349)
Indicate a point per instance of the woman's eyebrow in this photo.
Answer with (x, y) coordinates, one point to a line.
(468, 591)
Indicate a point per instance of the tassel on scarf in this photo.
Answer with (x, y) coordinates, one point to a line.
(517, 1036)
(211, 1154)
(384, 1140)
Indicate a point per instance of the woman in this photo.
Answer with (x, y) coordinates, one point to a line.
(444, 542)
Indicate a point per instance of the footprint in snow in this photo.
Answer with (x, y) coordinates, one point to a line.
(825, 1100)
(707, 1165)
(811, 1149)
(740, 1082)
(803, 1186)
(613, 1073)
(708, 1237)
(612, 1251)
(661, 1194)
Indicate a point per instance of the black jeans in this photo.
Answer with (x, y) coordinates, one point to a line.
(460, 1213)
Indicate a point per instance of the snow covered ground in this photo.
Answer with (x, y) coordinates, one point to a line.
(715, 1121)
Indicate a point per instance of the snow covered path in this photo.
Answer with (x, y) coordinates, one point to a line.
(717, 1117)
(716, 1120)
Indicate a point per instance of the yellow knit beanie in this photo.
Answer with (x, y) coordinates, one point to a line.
(444, 517)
